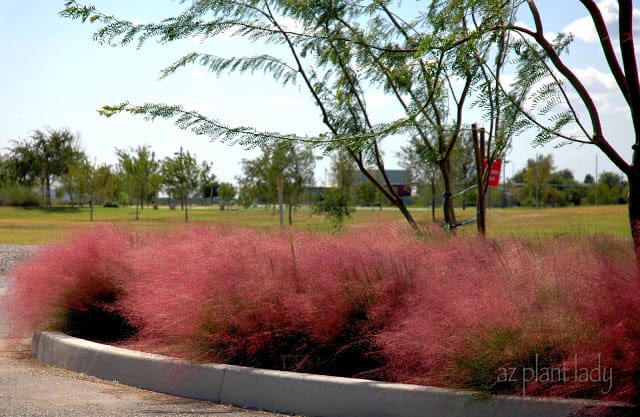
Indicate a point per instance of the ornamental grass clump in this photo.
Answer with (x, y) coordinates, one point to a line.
(289, 300)
(74, 287)
(522, 317)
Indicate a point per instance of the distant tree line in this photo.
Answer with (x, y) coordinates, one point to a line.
(538, 184)
(50, 167)
(52, 163)
(278, 176)
(541, 184)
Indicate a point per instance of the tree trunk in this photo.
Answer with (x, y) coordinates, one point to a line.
(433, 209)
(433, 199)
(186, 208)
(407, 215)
(447, 205)
(479, 153)
(43, 194)
(481, 205)
(47, 191)
(634, 210)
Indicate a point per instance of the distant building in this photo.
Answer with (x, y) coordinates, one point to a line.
(399, 179)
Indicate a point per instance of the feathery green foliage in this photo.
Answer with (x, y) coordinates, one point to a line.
(345, 52)
(549, 110)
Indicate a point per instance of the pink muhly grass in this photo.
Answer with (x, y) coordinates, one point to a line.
(187, 273)
(239, 295)
(375, 301)
(609, 303)
(484, 306)
(199, 284)
(68, 277)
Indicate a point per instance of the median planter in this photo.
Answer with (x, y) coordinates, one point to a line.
(296, 393)
(527, 318)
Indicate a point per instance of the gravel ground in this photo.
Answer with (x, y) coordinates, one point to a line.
(29, 388)
(10, 254)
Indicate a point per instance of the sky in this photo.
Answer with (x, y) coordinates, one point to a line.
(54, 75)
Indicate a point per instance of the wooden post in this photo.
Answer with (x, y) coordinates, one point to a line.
(478, 150)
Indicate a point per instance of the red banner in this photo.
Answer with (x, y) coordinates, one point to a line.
(494, 174)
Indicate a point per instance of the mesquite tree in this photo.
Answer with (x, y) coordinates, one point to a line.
(478, 58)
(558, 91)
(324, 51)
(547, 91)
(342, 53)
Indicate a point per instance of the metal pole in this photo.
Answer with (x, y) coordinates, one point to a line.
(281, 201)
(535, 166)
(596, 184)
(185, 192)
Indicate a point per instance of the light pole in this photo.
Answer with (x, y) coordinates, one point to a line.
(184, 197)
(504, 182)
(280, 187)
(596, 179)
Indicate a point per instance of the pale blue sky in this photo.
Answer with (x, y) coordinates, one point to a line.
(54, 75)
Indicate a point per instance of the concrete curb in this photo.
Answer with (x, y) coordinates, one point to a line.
(295, 393)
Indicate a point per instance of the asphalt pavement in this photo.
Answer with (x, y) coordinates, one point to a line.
(29, 388)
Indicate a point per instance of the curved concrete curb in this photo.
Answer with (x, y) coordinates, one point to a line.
(294, 393)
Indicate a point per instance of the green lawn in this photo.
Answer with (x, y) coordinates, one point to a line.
(529, 222)
(21, 226)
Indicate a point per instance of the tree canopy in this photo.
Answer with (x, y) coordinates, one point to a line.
(44, 157)
(344, 53)
(433, 63)
(279, 174)
(141, 173)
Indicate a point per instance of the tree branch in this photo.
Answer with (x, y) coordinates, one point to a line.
(607, 46)
(627, 50)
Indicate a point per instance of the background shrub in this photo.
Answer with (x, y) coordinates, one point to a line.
(16, 195)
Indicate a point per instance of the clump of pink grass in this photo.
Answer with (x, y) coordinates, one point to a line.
(499, 306)
(374, 302)
(276, 300)
(68, 277)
